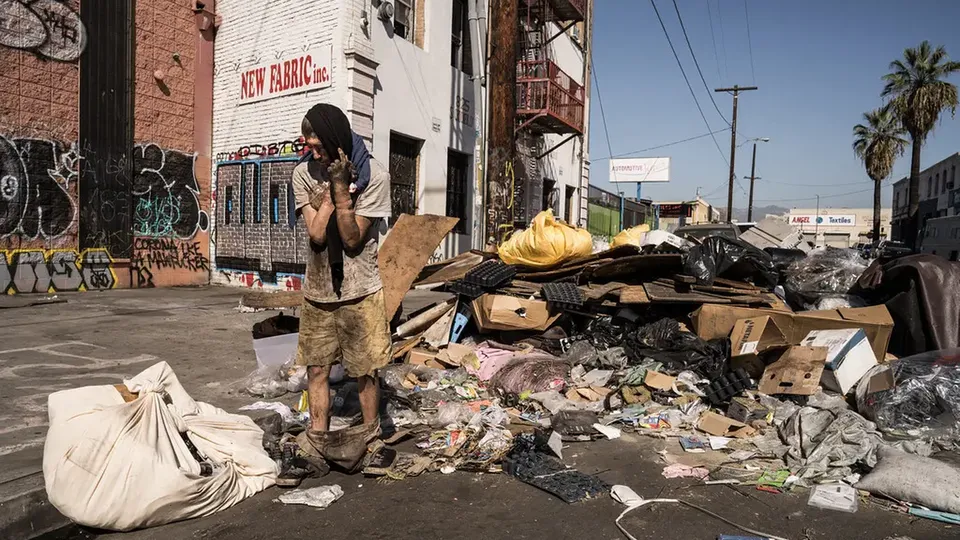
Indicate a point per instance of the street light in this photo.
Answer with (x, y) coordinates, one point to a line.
(753, 176)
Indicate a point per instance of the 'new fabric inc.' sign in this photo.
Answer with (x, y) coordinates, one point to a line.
(301, 73)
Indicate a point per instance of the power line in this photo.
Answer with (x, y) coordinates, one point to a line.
(723, 40)
(749, 41)
(821, 197)
(813, 185)
(603, 116)
(713, 36)
(685, 79)
(627, 154)
(696, 63)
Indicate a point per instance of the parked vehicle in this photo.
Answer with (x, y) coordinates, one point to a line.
(698, 232)
(941, 236)
(891, 249)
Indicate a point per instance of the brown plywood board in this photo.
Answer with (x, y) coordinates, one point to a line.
(634, 294)
(451, 269)
(405, 252)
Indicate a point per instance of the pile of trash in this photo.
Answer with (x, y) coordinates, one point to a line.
(757, 353)
(765, 362)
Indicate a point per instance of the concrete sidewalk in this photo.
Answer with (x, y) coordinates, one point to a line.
(100, 338)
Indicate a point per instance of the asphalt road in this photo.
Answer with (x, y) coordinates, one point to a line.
(98, 338)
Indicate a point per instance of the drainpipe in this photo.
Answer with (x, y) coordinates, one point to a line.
(207, 22)
(585, 140)
(482, 30)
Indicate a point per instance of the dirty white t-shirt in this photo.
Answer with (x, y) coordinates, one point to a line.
(334, 275)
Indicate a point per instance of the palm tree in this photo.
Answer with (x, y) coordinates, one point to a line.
(878, 143)
(918, 95)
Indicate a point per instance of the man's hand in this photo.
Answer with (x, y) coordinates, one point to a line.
(341, 170)
(321, 198)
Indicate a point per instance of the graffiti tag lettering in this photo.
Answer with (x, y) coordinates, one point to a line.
(166, 194)
(48, 28)
(260, 151)
(35, 178)
(39, 271)
(160, 253)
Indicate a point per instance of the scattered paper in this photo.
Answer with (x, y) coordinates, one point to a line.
(318, 497)
(555, 443)
(694, 444)
(609, 432)
(719, 443)
(741, 455)
(678, 470)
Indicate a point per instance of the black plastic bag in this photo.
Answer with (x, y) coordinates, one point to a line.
(678, 350)
(783, 257)
(722, 257)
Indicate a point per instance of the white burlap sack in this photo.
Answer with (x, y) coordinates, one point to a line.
(122, 466)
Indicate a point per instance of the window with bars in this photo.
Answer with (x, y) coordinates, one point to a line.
(257, 196)
(404, 17)
(228, 205)
(458, 166)
(274, 204)
(461, 49)
(404, 161)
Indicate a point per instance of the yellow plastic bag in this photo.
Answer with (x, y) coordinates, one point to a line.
(632, 236)
(547, 242)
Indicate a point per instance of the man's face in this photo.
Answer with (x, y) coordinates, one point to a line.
(319, 154)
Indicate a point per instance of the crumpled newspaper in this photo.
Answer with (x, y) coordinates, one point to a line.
(318, 497)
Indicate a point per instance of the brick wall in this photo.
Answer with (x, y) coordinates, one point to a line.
(258, 133)
(41, 162)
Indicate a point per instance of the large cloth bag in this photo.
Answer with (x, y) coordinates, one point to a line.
(120, 466)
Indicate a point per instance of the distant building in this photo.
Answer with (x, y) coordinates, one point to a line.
(941, 236)
(938, 195)
(838, 227)
(671, 215)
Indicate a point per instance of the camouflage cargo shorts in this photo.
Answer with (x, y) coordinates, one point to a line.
(357, 328)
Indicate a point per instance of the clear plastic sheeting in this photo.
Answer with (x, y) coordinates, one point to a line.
(722, 257)
(827, 440)
(274, 381)
(914, 396)
(829, 272)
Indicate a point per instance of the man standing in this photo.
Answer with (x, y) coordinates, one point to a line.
(344, 197)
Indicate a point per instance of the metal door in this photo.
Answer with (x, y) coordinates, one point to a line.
(106, 126)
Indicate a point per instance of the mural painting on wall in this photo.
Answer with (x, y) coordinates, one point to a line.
(50, 29)
(38, 209)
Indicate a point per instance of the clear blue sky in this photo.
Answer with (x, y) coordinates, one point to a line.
(817, 64)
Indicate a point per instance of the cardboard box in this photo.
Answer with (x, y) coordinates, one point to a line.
(797, 372)
(713, 321)
(749, 339)
(746, 410)
(423, 357)
(849, 357)
(721, 426)
(499, 312)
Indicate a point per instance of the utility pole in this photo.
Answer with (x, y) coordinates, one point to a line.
(501, 182)
(733, 143)
(753, 178)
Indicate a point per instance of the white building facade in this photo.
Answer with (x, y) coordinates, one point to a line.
(939, 194)
(838, 227)
(410, 74)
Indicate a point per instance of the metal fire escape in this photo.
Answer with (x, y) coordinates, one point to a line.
(548, 100)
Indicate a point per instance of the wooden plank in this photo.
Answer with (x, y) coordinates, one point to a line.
(634, 294)
(637, 267)
(406, 251)
(272, 299)
(594, 291)
(733, 284)
(450, 269)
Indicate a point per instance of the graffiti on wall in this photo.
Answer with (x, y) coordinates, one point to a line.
(166, 194)
(260, 151)
(35, 192)
(152, 254)
(50, 29)
(40, 271)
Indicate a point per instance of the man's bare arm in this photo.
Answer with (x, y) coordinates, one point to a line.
(317, 216)
(353, 228)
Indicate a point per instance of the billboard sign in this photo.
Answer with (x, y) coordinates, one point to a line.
(825, 220)
(636, 170)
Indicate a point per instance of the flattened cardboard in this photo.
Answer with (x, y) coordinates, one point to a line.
(712, 321)
(721, 426)
(499, 312)
(797, 372)
(751, 338)
(659, 381)
(423, 357)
